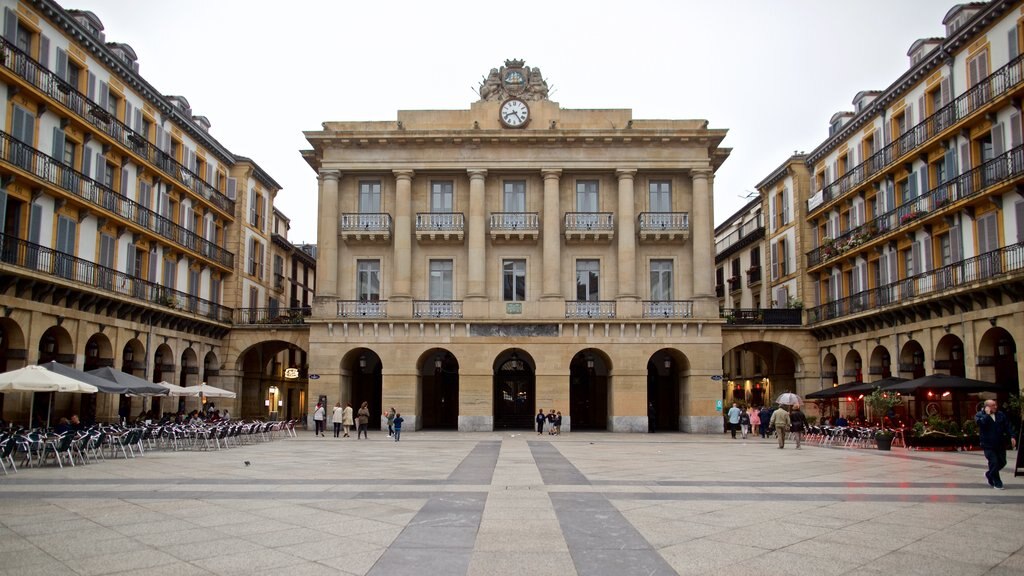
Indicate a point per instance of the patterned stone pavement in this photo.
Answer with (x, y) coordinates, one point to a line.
(517, 503)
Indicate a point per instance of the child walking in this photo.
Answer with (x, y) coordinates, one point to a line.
(398, 425)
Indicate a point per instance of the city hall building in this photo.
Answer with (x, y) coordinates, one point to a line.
(478, 265)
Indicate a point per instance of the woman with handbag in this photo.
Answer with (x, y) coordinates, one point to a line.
(363, 420)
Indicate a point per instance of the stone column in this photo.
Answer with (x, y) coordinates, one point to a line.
(327, 235)
(476, 288)
(552, 238)
(401, 288)
(627, 236)
(701, 234)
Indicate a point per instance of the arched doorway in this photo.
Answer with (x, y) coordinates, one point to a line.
(274, 381)
(589, 374)
(55, 345)
(515, 388)
(163, 371)
(852, 367)
(912, 360)
(949, 356)
(439, 379)
(829, 370)
(997, 358)
(13, 352)
(364, 383)
(880, 364)
(663, 390)
(133, 358)
(189, 375)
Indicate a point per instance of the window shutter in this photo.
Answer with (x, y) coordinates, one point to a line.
(1015, 130)
(775, 261)
(781, 298)
(266, 212)
(35, 223)
(854, 281)
(209, 172)
(771, 225)
(922, 176)
(10, 26)
(944, 90)
(232, 186)
(894, 273)
(44, 50)
(965, 157)
(104, 95)
(62, 64)
(1012, 43)
(124, 182)
(127, 113)
(883, 269)
(927, 265)
(956, 250)
(908, 118)
(3, 210)
(950, 160)
(138, 122)
(100, 172)
(916, 258)
(86, 163)
(785, 206)
(922, 109)
(165, 205)
(998, 145)
(58, 144)
(1019, 212)
(183, 216)
(814, 183)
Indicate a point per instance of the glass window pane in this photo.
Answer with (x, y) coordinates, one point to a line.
(586, 196)
(369, 197)
(441, 196)
(515, 196)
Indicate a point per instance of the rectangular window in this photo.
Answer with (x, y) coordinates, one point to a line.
(369, 197)
(441, 280)
(588, 275)
(441, 196)
(513, 274)
(169, 273)
(660, 196)
(514, 196)
(215, 290)
(661, 280)
(368, 280)
(586, 196)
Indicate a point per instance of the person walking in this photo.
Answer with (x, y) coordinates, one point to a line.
(390, 415)
(994, 429)
(797, 424)
(551, 422)
(765, 415)
(540, 420)
(744, 423)
(346, 418)
(734, 419)
(780, 421)
(558, 423)
(398, 425)
(755, 420)
(318, 420)
(336, 417)
(363, 421)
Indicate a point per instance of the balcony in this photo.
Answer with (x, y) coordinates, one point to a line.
(935, 202)
(994, 265)
(362, 308)
(437, 308)
(440, 226)
(597, 309)
(589, 226)
(762, 316)
(753, 275)
(745, 235)
(514, 226)
(668, 309)
(93, 193)
(17, 253)
(664, 226)
(365, 227)
(981, 94)
(735, 284)
(20, 64)
(271, 316)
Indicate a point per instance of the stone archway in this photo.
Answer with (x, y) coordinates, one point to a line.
(997, 358)
(912, 360)
(438, 371)
(274, 381)
(98, 352)
(515, 388)
(590, 373)
(880, 364)
(665, 369)
(55, 345)
(363, 381)
(13, 351)
(949, 356)
(853, 367)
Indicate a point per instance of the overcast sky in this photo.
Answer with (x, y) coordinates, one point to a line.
(771, 72)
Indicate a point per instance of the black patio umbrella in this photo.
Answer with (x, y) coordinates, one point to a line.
(855, 388)
(944, 382)
(118, 382)
(833, 392)
(103, 385)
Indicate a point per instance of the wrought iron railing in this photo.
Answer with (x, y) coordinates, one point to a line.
(590, 309)
(1007, 166)
(437, 308)
(668, 309)
(53, 86)
(515, 221)
(440, 221)
(369, 222)
(362, 308)
(584, 221)
(29, 256)
(664, 220)
(762, 316)
(982, 267)
(64, 177)
(753, 275)
(985, 91)
(272, 315)
(745, 229)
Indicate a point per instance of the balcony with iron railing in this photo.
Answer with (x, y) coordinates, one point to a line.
(362, 308)
(440, 226)
(582, 309)
(934, 203)
(753, 275)
(762, 316)
(988, 90)
(365, 227)
(735, 283)
(747, 233)
(275, 316)
(97, 195)
(668, 309)
(437, 308)
(42, 79)
(514, 226)
(986, 267)
(664, 226)
(27, 256)
(589, 226)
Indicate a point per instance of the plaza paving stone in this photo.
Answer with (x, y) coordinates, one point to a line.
(447, 503)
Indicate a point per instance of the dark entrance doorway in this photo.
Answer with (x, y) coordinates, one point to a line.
(440, 377)
(367, 382)
(662, 393)
(514, 394)
(588, 391)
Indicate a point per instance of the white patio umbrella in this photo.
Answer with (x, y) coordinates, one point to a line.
(39, 379)
(788, 398)
(208, 391)
(175, 390)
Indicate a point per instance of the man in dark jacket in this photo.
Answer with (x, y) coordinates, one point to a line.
(765, 415)
(994, 429)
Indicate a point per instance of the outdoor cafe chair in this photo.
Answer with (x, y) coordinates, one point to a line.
(60, 447)
(7, 453)
(31, 446)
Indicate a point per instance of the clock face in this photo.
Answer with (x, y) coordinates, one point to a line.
(514, 113)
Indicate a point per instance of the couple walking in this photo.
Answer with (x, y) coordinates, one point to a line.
(343, 417)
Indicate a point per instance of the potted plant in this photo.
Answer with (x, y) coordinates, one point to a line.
(880, 403)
